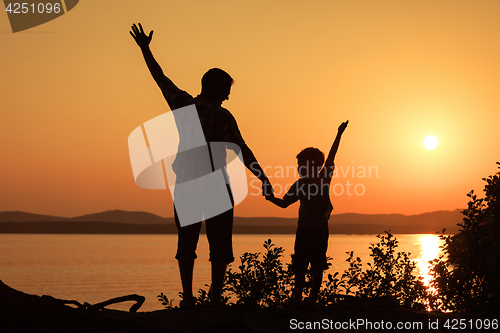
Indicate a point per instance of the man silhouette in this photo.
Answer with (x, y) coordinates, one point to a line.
(218, 125)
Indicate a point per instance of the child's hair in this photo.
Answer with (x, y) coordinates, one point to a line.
(312, 155)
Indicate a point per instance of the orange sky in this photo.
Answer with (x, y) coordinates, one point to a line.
(73, 89)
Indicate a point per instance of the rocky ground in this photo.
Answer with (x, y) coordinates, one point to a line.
(20, 312)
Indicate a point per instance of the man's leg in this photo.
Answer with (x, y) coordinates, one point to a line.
(219, 235)
(218, 276)
(186, 254)
(186, 267)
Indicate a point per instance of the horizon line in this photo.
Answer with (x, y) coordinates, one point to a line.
(146, 212)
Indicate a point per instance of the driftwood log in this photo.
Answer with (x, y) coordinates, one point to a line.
(21, 312)
(98, 306)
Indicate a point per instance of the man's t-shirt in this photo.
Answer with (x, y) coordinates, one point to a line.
(218, 125)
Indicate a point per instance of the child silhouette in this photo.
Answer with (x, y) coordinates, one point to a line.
(312, 189)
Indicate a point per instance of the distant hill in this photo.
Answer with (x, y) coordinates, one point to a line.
(27, 217)
(354, 223)
(119, 216)
(124, 222)
(122, 216)
(398, 223)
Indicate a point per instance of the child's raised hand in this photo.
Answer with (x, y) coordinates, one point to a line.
(343, 126)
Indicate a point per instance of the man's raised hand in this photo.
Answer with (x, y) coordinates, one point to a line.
(140, 37)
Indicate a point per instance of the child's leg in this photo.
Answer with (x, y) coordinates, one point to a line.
(317, 279)
(300, 277)
(318, 260)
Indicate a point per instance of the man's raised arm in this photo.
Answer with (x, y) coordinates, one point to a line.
(143, 41)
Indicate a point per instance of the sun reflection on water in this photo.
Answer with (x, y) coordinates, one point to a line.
(430, 250)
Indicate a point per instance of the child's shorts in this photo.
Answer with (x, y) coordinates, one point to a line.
(310, 247)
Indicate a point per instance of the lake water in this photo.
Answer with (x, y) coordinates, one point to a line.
(94, 268)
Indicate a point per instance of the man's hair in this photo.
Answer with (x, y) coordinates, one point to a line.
(312, 155)
(216, 82)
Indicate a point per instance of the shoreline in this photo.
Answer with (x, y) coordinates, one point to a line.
(93, 227)
(33, 313)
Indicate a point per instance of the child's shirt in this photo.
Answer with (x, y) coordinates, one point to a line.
(314, 195)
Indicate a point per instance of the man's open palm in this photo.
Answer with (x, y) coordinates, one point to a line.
(140, 37)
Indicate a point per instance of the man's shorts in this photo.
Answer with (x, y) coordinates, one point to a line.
(219, 234)
(310, 247)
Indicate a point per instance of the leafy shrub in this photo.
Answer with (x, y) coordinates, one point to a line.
(267, 282)
(264, 283)
(167, 303)
(467, 275)
(391, 274)
(203, 298)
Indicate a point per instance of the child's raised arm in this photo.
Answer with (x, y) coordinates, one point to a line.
(335, 146)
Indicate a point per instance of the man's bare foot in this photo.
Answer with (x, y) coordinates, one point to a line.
(187, 303)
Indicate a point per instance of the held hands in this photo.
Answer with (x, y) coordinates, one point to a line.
(343, 126)
(140, 37)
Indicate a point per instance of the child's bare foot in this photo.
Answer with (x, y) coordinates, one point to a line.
(292, 304)
(309, 303)
(216, 304)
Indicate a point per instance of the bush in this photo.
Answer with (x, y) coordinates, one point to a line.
(391, 274)
(203, 298)
(267, 282)
(467, 276)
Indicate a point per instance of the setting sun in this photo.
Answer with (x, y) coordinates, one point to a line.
(431, 142)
